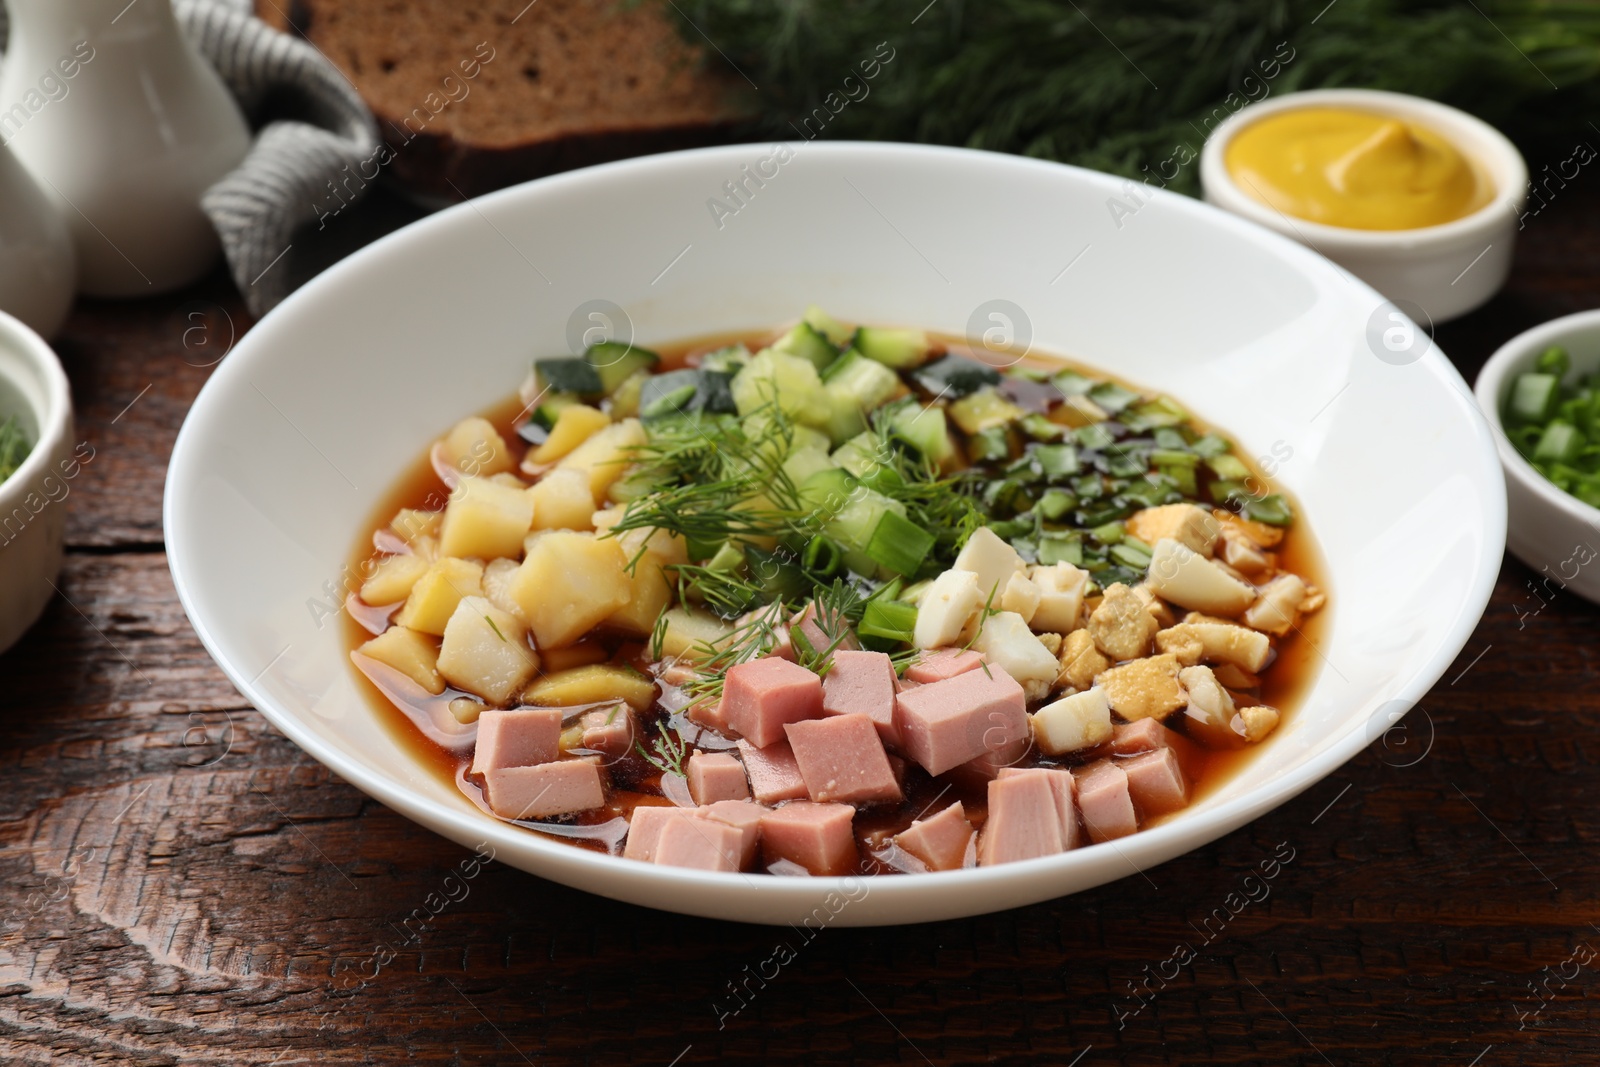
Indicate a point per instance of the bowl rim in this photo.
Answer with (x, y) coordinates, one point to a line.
(53, 420)
(1492, 382)
(1174, 837)
(1510, 195)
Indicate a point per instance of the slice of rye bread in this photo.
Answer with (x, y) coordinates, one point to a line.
(563, 84)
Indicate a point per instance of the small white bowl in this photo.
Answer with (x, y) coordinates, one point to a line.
(1443, 271)
(33, 512)
(1551, 531)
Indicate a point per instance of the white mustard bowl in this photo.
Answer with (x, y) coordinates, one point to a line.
(1442, 271)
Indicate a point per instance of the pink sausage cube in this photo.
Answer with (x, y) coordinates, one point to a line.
(743, 816)
(1024, 819)
(704, 844)
(708, 712)
(762, 696)
(941, 842)
(945, 724)
(520, 737)
(842, 758)
(819, 837)
(1065, 790)
(716, 776)
(1156, 782)
(945, 663)
(644, 829)
(862, 683)
(609, 730)
(991, 764)
(773, 773)
(1147, 735)
(811, 627)
(1104, 799)
(544, 789)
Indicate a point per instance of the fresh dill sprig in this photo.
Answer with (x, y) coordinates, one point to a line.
(670, 750)
(14, 447)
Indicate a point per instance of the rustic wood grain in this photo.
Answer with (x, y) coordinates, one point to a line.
(181, 885)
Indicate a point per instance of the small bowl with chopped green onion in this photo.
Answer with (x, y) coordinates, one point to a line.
(1541, 394)
(37, 465)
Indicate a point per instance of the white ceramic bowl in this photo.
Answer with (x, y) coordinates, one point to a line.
(308, 421)
(33, 512)
(1444, 270)
(1555, 533)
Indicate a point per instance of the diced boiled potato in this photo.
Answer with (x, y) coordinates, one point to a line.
(575, 425)
(475, 447)
(945, 608)
(437, 593)
(485, 651)
(591, 685)
(1189, 525)
(993, 560)
(579, 655)
(690, 633)
(649, 594)
(562, 500)
(606, 518)
(1061, 590)
(497, 575)
(410, 524)
(392, 579)
(1188, 579)
(508, 479)
(605, 456)
(485, 520)
(1074, 722)
(426, 546)
(568, 583)
(1021, 596)
(413, 654)
(670, 548)
(1005, 641)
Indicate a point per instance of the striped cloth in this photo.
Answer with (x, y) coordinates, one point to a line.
(289, 168)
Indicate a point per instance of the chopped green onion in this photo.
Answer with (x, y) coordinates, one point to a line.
(1130, 556)
(1056, 461)
(1096, 435)
(1228, 467)
(1112, 397)
(1553, 360)
(1056, 502)
(1071, 383)
(892, 620)
(1560, 443)
(1534, 398)
(989, 445)
(1272, 510)
(1061, 548)
(899, 544)
(823, 555)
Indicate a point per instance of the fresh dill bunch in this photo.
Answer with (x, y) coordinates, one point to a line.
(1128, 88)
(14, 447)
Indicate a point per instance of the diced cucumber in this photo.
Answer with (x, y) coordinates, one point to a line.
(984, 410)
(716, 392)
(954, 376)
(860, 455)
(854, 523)
(625, 398)
(923, 429)
(614, 362)
(569, 375)
(895, 348)
(809, 344)
(728, 360)
(828, 326)
(826, 491)
(788, 381)
(804, 462)
(845, 420)
(989, 446)
(669, 394)
(551, 407)
(867, 384)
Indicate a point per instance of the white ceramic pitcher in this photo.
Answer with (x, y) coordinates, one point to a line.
(124, 125)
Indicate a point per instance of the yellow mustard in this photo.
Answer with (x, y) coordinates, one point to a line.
(1355, 169)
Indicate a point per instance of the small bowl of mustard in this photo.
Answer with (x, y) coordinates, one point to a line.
(1418, 199)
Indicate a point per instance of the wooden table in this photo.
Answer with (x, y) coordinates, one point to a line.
(183, 885)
